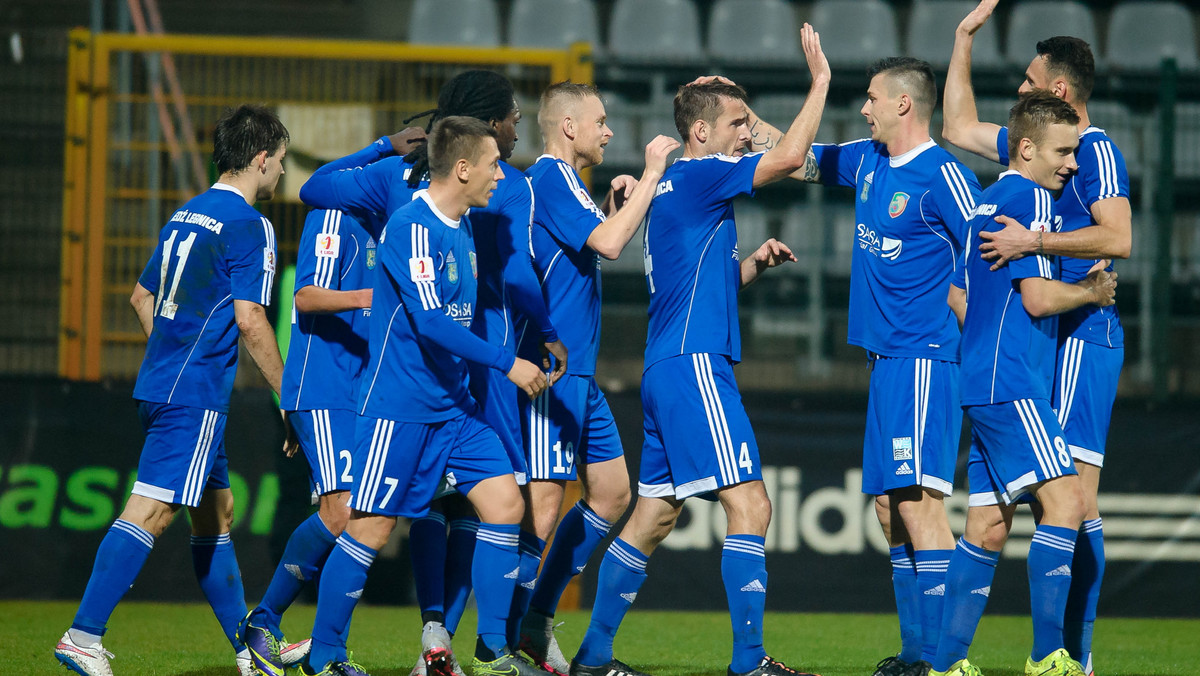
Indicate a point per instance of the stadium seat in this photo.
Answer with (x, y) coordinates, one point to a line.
(454, 22)
(856, 33)
(1116, 121)
(1041, 19)
(624, 148)
(1141, 34)
(644, 30)
(753, 31)
(931, 28)
(553, 23)
(780, 109)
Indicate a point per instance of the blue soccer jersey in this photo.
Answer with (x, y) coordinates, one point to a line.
(373, 179)
(1101, 175)
(690, 248)
(328, 351)
(422, 307)
(911, 213)
(1006, 353)
(564, 216)
(215, 249)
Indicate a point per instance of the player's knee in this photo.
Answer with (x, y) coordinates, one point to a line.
(334, 514)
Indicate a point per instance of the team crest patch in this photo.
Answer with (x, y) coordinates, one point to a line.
(899, 202)
(371, 246)
(902, 448)
(474, 268)
(866, 190)
(451, 268)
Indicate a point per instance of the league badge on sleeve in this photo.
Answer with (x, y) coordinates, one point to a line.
(329, 245)
(898, 204)
(268, 259)
(420, 269)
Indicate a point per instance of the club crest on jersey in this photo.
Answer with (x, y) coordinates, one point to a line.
(866, 191)
(899, 202)
(474, 266)
(451, 268)
(371, 246)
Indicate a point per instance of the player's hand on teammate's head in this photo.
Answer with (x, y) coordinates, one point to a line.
(657, 152)
(527, 376)
(560, 359)
(977, 17)
(406, 140)
(709, 79)
(291, 443)
(818, 65)
(773, 253)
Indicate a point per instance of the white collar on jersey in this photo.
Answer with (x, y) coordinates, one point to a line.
(1009, 172)
(226, 186)
(424, 195)
(901, 160)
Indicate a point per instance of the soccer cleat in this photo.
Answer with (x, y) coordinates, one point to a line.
(918, 668)
(891, 666)
(539, 643)
(245, 666)
(91, 661)
(769, 666)
(291, 654)
(959, 668)
(263, 647)
(346, 668)
(1057, 663)
(507, 664)
(613, 668)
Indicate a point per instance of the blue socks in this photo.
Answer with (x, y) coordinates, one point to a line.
(744, 572)
(1050, 556)
(342, 580)
(530, 547)
(427, 549)
(119, 559)
(579, 533)
(306, 551)
(494, 574)
(621, 576)
(908, 607)
(968, 585)
(221, 581)
(931, 565)
(1087, 571)
(460, 552)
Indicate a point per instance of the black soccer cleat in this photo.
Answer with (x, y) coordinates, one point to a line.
(769, 666)
(918, 668)
(615, 667)
(892, 666)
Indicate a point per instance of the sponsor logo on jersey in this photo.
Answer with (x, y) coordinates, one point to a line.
(868, 239)
(451, 268)
(902, 448)
(462, 313)
(898, 204)
(904, 470)
(984, 210)
(371, 246)
(329, 245)
(664, 187)
(862, 197)
(891, 248)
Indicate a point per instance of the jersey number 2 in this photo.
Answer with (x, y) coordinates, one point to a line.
(166, 301)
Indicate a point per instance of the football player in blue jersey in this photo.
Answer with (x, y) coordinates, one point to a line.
(1010, 333)
(912, 202)
(1097, 224)
(207, 284)
(570, 432)
(417, 420)
(376, 179)
(698, 439)
(328, 352)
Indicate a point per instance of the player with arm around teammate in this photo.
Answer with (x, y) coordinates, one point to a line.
(1018, 447)
(207, 283)
(570, 432)
(417, 421)
(1097, 224)
(694, 273)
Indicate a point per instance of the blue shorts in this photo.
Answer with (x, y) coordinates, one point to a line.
(1021, 445)
(497, 398)
(913, 424)
(698, 437)
(184, 453)
(398, 466)
(569, 424)
(1085, 388)
(327, 438)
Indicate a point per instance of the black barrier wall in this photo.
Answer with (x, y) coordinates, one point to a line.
(68, 455)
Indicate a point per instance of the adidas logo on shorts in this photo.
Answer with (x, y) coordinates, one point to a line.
(755, 586)
(1061, 570)
(904, 469)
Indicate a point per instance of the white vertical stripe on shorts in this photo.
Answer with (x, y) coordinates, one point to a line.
(1068, 377)
(193, 485)
(718, 427)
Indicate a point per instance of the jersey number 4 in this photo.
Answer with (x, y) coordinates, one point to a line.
(166, 299)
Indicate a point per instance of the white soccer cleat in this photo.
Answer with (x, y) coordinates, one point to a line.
(87, 661)
(292, 654)
(246, 667)
(539, 643)
(437, 655)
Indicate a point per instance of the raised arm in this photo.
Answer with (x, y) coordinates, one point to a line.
(961, 125)
(610, 236)
(791, 154)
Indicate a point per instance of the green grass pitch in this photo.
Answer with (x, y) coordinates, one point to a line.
(184, 640)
